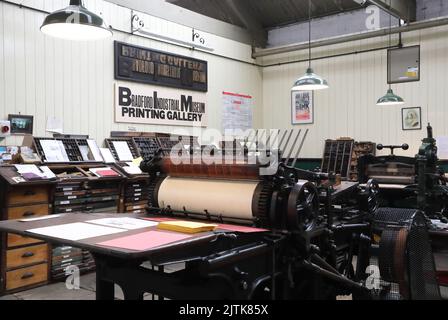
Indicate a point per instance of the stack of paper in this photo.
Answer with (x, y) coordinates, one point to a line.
(186, 226)
(104, 172)
(30, 172)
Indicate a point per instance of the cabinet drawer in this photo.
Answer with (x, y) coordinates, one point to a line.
(28, 212)
(14, 240)
(27, 195)
(26, 276)
(16, 258)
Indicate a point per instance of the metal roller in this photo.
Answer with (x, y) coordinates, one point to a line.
(231, 199)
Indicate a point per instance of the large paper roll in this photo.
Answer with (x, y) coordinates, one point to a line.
(231, 199)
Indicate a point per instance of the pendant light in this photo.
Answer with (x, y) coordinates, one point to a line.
(310, 81)
(75, 23)
(390, 99)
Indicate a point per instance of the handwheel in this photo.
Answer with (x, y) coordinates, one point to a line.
(371, 191)
(303, 206)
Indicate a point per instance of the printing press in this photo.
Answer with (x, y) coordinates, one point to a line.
(409, 182)
(316, 226)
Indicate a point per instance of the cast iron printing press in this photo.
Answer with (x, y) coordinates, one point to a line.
(410, 182)
(320, 237)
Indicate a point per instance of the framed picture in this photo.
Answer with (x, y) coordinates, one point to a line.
(411, 118)
(21, 124)
(302, 107)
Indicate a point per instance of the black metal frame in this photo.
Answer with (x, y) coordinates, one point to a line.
(389, 64)
(420, 116)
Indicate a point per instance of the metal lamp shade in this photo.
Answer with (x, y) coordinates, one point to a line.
(390, 99)
(75, 23)
(310, 81)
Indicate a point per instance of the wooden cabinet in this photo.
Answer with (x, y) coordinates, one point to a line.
(24, 260)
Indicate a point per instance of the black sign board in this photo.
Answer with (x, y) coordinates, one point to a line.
(144, 65)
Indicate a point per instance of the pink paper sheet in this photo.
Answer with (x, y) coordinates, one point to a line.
(243, 229)
(145, 241)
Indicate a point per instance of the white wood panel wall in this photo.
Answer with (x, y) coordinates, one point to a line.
(356, 82)
(42, 76)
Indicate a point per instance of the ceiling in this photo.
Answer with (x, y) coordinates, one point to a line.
(258, 16)
(266, 13)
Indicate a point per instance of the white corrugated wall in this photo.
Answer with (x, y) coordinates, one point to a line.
(348, 108)
(74, 81)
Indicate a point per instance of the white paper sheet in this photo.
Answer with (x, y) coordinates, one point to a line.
(85, 152)
(107, 155)
(123, 151)
(95, 150)
(55, 125)
(63, 151)
(132, 168)
(124, 223)
(51, 216)
(53, 151)
(76, 231)
(47, 172)
(442, 147)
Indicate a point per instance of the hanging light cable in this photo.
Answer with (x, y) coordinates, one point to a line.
(390, 99)
(75, 23)
(310, 81)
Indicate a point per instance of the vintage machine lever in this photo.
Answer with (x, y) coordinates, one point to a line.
(404, 146)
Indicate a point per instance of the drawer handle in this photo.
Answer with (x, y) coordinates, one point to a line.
(29, 193)
(27, 255)
(27, 275)
(28, 214)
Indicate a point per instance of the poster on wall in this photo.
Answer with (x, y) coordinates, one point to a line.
(302, 107)
(145, 65)
(442, 147)
(135, 103)
(237, 113)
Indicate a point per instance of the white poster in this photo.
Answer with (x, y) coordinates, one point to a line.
(138, 103)
(237, 112)
(442, 147)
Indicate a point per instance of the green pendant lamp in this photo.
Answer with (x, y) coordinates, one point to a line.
(310, 81)
(75, 23)
(390, 99)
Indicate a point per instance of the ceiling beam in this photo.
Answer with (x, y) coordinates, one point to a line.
(403, 9)
(244, 14)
